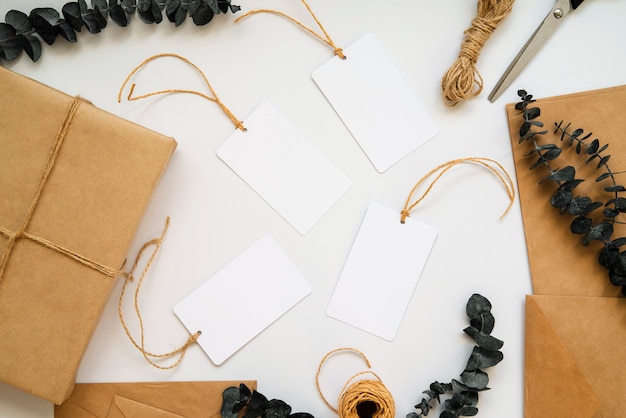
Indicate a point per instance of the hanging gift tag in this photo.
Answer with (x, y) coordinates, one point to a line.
(284, 168)
(242, 299)
(381, 272)
(375, 103)
(387, 258)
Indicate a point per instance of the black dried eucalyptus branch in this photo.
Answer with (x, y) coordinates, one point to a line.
(21, 32)
(254, 405)
(587, 223)
(473, 379)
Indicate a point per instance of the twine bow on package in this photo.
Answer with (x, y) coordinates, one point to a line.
(75, 182)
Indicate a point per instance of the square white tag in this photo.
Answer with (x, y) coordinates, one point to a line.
(242, 299)
(284, 168)
(375, 103)
(381, 272)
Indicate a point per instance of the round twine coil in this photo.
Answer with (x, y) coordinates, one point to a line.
(462, 81)
(362, 398)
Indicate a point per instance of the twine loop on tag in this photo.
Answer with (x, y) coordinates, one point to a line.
(462, 81)
(213, 98)
(326, 38)
(492, 165)
(364, 397)
(22, 233)
(180, 351)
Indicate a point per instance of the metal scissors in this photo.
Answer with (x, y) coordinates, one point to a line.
(561, 9)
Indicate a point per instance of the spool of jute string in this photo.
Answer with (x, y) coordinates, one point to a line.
(462, 81)
(325, 38)
(150, 357)
(360, 397)
(492, 165)
(213, 97)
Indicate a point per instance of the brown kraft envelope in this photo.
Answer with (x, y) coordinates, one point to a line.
(146, 400)
(63, 236)
(575, 321)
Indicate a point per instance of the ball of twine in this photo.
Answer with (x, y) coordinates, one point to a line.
(462, 81)
(361, 398)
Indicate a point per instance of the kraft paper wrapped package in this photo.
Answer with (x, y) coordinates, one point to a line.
(74, 184)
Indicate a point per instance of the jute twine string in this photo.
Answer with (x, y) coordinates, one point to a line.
(213, 98)
(492, 165)
(462, 81)
(21, 233)
(362, 391)
(326, 38)
(149, 356)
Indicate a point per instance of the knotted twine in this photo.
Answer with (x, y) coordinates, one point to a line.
(462, 81)
(21, 233)
(363, 393)
(326, 38)
(213, 98)
(492, 165)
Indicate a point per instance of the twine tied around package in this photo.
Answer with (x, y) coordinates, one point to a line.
(213, 98)
(326, 38)
(462, 81)
(22, 233)
(492, 165)
(360, 398)
(149, 356)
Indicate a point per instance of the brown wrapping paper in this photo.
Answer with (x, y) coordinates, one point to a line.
(90, 206)
(575, 323)
(146, 400)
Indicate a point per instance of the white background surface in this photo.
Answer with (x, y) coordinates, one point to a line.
(216, 216)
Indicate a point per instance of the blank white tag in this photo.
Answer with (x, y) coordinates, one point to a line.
(375, 103)
(381, 272)
(242, 299)
(284, 168)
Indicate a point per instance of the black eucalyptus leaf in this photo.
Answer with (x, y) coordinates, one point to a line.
(10, 45)
(24, 29)
(484, 323)
(467, 411)
(561, 198)
(48, 24)
(581, 225)
(19, 21)
(101, 6)
(482, 359)
(72, 15)
(149, 11)
(119, 16)
(484, 340)
(89, 18)
(603, 176)
(203, 15)
(563, 174)
(277, 409)
(212, 5)
(230, 396)
(476, 379)
(477, 305)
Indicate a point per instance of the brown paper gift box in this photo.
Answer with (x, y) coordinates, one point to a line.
(146, 400)
(90, 206)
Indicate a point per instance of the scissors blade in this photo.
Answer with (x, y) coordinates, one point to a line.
(534, 43)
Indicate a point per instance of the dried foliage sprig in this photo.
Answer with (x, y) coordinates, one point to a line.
(21, 32)
(587, 221)
(473, 379)
(236, 400)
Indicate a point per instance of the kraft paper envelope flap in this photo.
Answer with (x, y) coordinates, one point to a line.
(559, 263)
(174, 399)
(575, 348)
(127, 408)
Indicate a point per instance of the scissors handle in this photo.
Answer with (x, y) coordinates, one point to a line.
(576, 3)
